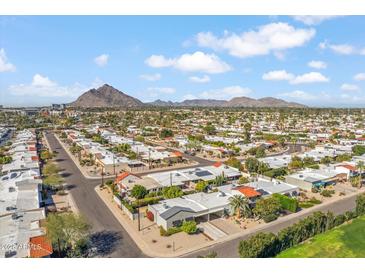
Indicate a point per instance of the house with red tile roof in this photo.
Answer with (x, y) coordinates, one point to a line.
(40, 247)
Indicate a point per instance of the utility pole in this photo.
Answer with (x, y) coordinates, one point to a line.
(139, 218)
(102, 176)
(114, 164)
(170, 179)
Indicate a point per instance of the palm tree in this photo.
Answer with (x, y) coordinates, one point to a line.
(360, 167)
(240, 205)
(219, 180)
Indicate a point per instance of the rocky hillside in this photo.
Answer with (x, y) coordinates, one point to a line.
(106, 96)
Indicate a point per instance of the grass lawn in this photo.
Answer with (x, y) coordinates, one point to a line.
(346, 241)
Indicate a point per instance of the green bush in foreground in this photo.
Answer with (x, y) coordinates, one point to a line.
(189, 227)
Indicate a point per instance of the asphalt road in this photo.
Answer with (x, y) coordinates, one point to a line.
(109, 238)
(229, 249)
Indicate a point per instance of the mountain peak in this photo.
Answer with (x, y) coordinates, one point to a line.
(106, 96)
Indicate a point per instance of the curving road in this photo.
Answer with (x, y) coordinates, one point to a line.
(109, 238)
(229, 249)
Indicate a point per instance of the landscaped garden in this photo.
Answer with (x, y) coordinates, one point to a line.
(345, 241)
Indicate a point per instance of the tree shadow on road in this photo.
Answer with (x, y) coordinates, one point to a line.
(59, 160)
(65, 174)
(104, 243)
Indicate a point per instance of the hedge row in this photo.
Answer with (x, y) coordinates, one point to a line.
(264, 245)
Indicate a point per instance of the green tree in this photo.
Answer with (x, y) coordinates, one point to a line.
(219, 180)
(209, 129)
(166, 133)
(5, 159)
(50, 169)
(267, 207)
(244, 180)
(240, 205)
(201, 186)
(172, 192)
(234, 162)
(360, 205)
(138, 192)
(295, 163)
(358, 150)
(326, 160)
(260, 152)
(66, 231)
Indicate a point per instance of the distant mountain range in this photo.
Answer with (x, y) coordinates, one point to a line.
(108, 96)
(234, 102)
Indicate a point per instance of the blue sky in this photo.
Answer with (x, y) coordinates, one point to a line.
(318, 61)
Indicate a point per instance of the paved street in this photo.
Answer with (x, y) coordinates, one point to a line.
(109, 237)
(229, 249)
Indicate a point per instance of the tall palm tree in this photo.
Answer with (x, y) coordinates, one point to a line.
(240, 205)
(360, 167)
(219, 180)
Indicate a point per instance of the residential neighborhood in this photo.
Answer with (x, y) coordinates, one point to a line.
(182, 143)
(175, 193)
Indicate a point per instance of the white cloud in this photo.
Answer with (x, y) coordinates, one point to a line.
(274, 37)
(42, 81)
(343, 49)
(360, 76)
(5, 66)
(317, 64)
(196, 62)
(298, 95)
(225, 93)
(310, 77)
(155, 91)
(283, 75)
(277, 75)
(151, 77)
(159, 61)
(203, 79)
(42, 86)
(349, 87)
(311, 20)
(102, 60)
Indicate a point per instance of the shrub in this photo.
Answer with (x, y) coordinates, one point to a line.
(314, 190)
(327, 193)
(339, 220)
(170, 231)
(189, 227)
(261, 245)
(286, 202)
(360, 205)
(128, 206)
(349, 215)
(146, 201)
(269, 218)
